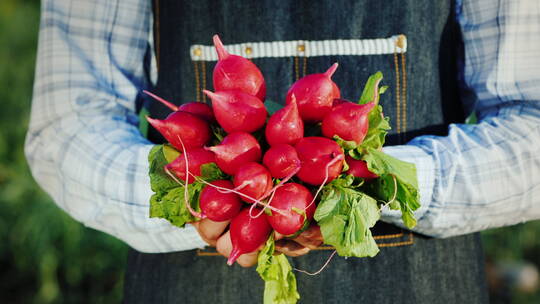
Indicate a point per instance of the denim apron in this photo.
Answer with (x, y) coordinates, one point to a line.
(415, 43)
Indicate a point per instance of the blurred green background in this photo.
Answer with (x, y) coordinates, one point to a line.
(46, 257)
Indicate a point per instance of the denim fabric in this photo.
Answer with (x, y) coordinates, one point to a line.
(426, 271)
(430, 271)
(430, 27)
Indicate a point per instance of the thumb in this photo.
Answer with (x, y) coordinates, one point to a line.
(210, 231)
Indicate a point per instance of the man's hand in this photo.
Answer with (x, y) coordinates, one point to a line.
(311, 238)
(209, 230)
(214, 234)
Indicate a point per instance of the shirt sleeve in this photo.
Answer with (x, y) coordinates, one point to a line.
(486, 175)
(83, 144)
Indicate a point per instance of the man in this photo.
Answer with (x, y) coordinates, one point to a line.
(85, 150)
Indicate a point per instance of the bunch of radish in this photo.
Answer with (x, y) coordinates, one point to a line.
(272, 183)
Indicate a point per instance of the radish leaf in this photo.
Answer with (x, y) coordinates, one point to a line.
(407, 193)
(172, 206)
(279, 279)
(218, 133)
(345, 216)
(143, 123)
(378, 128)
(211, 172)
(170, 153)
(371, 90)
(168, 199)
(159, 180)
(375, 137)
(378, 123)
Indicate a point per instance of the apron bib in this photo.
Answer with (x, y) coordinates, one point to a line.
(414, 43)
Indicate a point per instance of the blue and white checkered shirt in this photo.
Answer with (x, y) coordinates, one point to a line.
(85, 150)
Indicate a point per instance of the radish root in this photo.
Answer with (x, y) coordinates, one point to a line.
(320, 270)
(186, 193)
(242, 186)
(226, 190)
(271, 193)
(267, 205)
(188, 206)
(393, 196)
(282, 182)
(327, 168)
(168, 104)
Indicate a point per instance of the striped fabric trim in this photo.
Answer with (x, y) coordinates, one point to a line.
(351, 47)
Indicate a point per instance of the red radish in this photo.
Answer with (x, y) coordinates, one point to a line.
(338, 101)
(236, 111)
(235, 150)
(314, 94)
(320, 157)
(348, 120)
(253, 180)
(192, 130)
(196, 158)
(359, 168)
(235, 191)
(187, 173)
(200, 109)
(285, 126)
(247, 234)
(282, 160)
(237, 73)
(219, 206)
(295, 200)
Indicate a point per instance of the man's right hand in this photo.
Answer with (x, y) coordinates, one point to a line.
(215, 235)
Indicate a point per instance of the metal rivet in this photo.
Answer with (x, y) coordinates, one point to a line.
(301, 48)
(248, 50)
(400, 41)
(197, 52)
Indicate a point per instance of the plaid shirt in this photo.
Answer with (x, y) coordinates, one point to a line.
(85, 150)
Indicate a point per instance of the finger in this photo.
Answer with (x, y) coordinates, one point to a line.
(311, 237)
(210, 231)
(248, 259)
(290, 248)
(278, 236)
(224, 247)
(197, 226)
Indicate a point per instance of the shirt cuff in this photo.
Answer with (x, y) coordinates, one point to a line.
(186, 238)
(425, 170)
(165, 236)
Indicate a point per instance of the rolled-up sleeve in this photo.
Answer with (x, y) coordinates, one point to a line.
(83, 144)
(486, 175)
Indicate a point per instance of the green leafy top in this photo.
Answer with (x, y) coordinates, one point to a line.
(168, 201)
(378, 123)
(397, 182)
(159, 180)
(371, 90)
(275, 270)
(346, 210)
(378, 128)
(345, 216)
